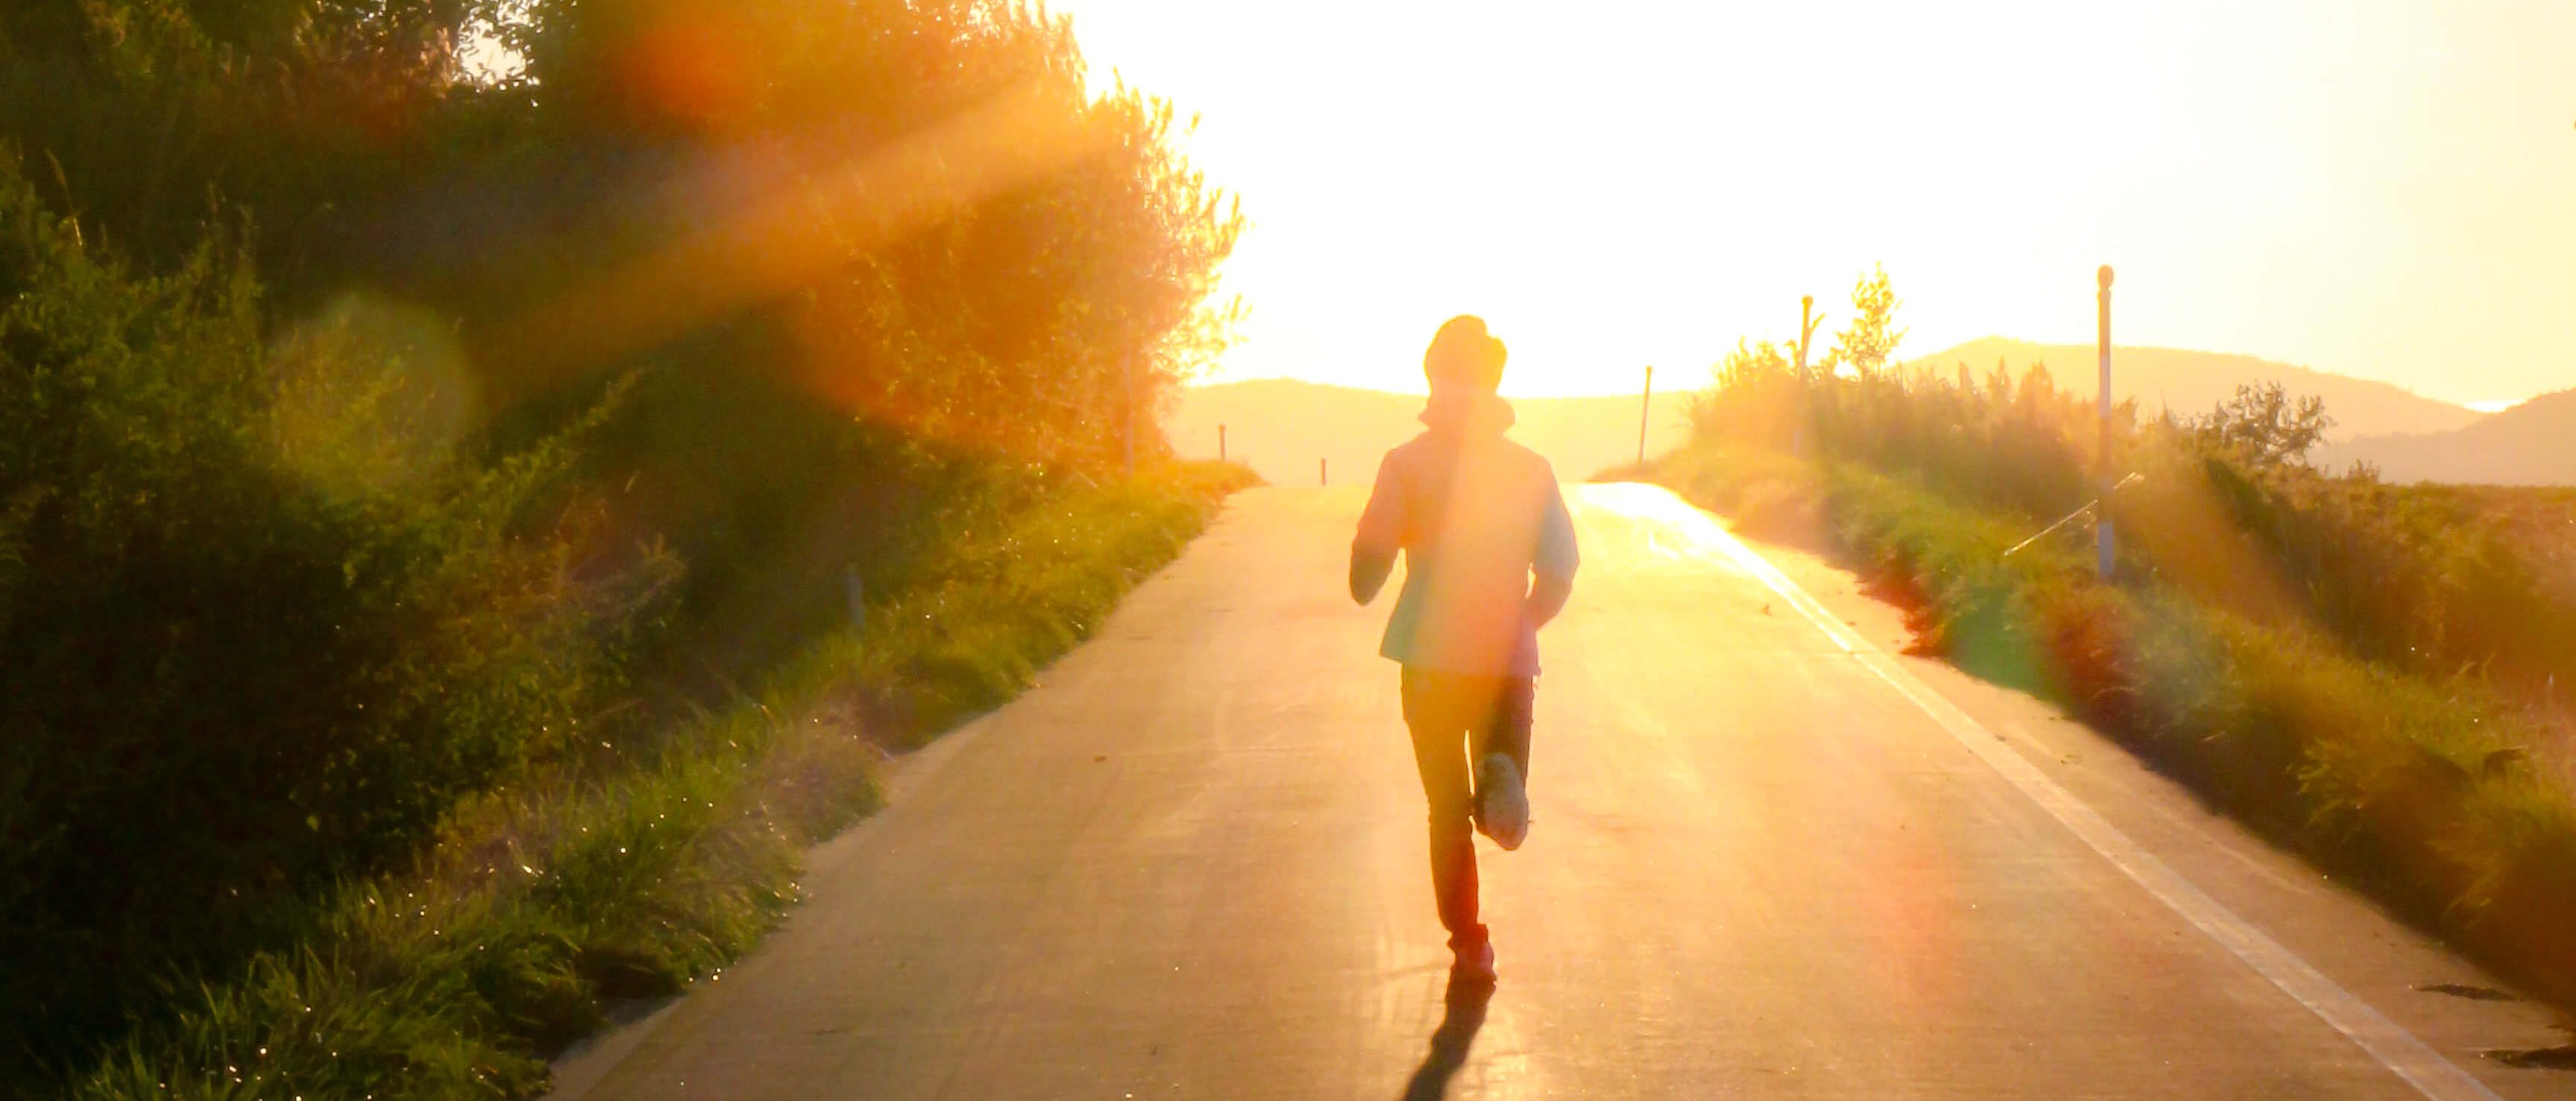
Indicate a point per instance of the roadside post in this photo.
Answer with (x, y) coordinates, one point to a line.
(1220, 443)
(2106, 544)
(1645, 408)
(1806, 332)
(1322, 475)
(1806, 329)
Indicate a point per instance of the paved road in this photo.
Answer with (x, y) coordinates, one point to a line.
(1769, 859)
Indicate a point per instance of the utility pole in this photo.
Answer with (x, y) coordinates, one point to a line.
(1220, 443)
(2106, 544)
(1645, 409)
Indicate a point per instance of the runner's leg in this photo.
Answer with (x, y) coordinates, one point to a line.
(1433, 715)
(1500, 710)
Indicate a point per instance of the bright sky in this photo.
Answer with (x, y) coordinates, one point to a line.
(2375, 188)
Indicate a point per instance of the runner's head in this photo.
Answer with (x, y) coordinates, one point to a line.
(1463, 352)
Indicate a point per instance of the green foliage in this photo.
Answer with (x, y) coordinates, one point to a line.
(2429, 580)
(2435, 793)
(821, 425)
(1865, 344)
(158, 117)
(2007, 444)
(262, 623)
(914, 211)
(537, 901)
(2368, 671)
(360, 414)
(2262, 426)
(972, 629)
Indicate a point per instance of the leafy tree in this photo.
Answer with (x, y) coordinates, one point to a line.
(154, 119)
(2263, 425)
(1066, 289)
(1872, 336)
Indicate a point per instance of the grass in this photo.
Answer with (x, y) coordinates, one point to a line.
(2424, 790)
(539, 902)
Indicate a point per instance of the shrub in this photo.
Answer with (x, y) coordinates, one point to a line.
(453, 975)
(261, 623)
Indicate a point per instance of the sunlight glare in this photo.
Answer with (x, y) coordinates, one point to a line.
(2376, 189)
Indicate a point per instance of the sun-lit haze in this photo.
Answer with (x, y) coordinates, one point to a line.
(2379, 189)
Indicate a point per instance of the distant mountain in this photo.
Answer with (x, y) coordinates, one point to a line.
(2533, 443)
(2194, 382)
(1282, 426)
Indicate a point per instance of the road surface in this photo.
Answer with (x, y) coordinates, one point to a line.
(1770, 859)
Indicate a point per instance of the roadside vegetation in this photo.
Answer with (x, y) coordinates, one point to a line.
(462, 528)
(2373, 674)
(539, 899)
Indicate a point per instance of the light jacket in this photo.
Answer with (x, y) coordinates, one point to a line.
(1476, 516)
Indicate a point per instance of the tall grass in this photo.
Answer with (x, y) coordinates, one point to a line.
(2349, 666)
(2432, 579)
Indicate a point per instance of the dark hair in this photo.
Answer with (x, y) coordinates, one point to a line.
(1462, 351)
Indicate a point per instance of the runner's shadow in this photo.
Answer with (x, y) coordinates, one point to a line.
(1457, 1032)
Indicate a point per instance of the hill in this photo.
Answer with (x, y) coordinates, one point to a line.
(1280, 427)
(2533, 443)
(2193, 382)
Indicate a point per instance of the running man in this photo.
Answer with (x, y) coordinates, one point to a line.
(1489, 559)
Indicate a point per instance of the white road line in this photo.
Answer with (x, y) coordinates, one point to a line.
(2394, 1047)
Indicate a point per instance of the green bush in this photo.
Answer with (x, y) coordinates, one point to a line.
(261, 622)
(455, 975)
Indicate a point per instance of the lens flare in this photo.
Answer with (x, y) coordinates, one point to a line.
(793, 234)
(374, 395)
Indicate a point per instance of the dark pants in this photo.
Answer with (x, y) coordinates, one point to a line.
(1457, 719)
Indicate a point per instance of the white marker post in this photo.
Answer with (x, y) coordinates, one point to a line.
(1645, 408)
(1806, 329)
(2106, 544)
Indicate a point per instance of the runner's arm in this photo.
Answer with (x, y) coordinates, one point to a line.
(1381, 534)
(1552, 568)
